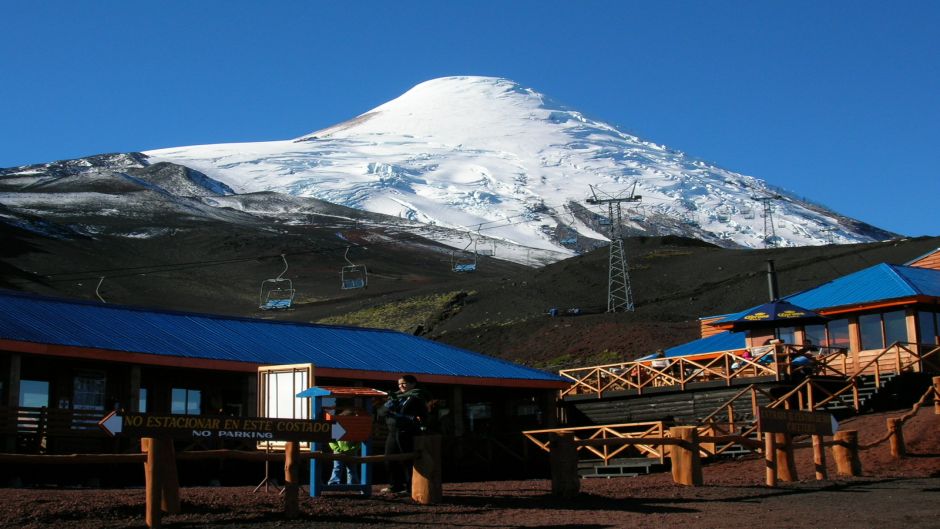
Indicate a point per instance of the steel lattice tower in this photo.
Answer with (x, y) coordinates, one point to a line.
(770, 233)
(619, 291)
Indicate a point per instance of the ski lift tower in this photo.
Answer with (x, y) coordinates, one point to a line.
(770, 233)
(619, 291)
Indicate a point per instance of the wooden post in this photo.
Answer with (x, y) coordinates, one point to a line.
(896, 438)
(291, 478)
(770, 459)
(819, 458)
(845, 453)
(686, 463)
(786, 467)
(936, 395)
(171, 483)
(563, 458)
(426, 474)
(153, 474)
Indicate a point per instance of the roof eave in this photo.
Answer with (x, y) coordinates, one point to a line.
(150, 359)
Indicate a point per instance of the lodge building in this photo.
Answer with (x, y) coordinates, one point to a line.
(65, 364)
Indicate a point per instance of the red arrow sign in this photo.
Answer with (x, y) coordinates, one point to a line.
(357, 427)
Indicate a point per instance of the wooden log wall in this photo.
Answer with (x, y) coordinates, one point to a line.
(682, 406)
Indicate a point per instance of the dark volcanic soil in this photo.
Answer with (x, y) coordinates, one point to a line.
(890, 494)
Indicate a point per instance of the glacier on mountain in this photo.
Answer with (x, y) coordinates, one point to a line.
(492, 159)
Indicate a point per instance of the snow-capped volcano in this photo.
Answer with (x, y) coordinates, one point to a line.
(490, 157)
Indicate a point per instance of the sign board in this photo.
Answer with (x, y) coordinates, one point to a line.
(352, 428)
(215, 427)
(797, 422)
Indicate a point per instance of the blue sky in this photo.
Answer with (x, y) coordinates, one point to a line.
(837, 101)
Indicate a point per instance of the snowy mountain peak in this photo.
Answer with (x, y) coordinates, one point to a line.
(492, 158)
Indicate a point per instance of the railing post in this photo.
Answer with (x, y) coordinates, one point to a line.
(896, 438)
(686, 462)
(170, 503)
(845, 453)
(426, 485)
(786, 466)
(770, 459)
(564, 464)
(819, 458)
(855, 398)
(153, 480)
(291, 478)
(936, 395)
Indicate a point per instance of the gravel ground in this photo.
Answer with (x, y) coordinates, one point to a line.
(890, 494)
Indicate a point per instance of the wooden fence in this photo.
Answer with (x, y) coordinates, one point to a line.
(686, 441)
(162, 484)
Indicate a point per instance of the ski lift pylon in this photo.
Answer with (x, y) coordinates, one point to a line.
(277, 293)
(352, 275)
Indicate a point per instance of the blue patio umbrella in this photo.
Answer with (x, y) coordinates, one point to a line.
(777, 313)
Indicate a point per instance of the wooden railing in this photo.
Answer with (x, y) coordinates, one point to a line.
(638, 430)
(812, 394)
(34, 426)
(727, 367)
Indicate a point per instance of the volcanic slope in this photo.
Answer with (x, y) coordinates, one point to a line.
(215, 266)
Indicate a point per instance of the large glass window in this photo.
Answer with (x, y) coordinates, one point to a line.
(869, 327)
(815, 334)
(186, 401)
(34, 394)
(895, 327)
(787, 334)
(88, 391)
(927, 327)
(838, 333)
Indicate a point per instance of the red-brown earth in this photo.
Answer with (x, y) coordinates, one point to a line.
(890, 494)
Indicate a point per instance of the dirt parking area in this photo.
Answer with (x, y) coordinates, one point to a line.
(890, 494)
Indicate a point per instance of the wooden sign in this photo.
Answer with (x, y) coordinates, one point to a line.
(353, 428)
(203, 426)
(795, 422)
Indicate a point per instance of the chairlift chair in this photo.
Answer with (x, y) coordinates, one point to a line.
(466, 262)
(277, 293)
(353, 276)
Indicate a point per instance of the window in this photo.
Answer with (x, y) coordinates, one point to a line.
(895, 327)
(142, 401)
(927, 327)
(787, 334)
(815, 334)
(88, 391)
(34, 394)
(186, 401)
(838, 331)
(869, 328)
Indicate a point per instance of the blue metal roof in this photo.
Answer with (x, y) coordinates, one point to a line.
(881, 282)
(723, 341)
(29, 318)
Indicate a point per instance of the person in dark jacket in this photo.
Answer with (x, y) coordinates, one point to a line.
(406, 414)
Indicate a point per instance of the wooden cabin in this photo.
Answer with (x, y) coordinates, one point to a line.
(65, 364)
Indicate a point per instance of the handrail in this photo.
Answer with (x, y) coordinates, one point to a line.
(638, 430)
(732, 366)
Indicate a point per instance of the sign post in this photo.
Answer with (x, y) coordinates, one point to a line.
(158, 431)
(784, 423)
(350, 428)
